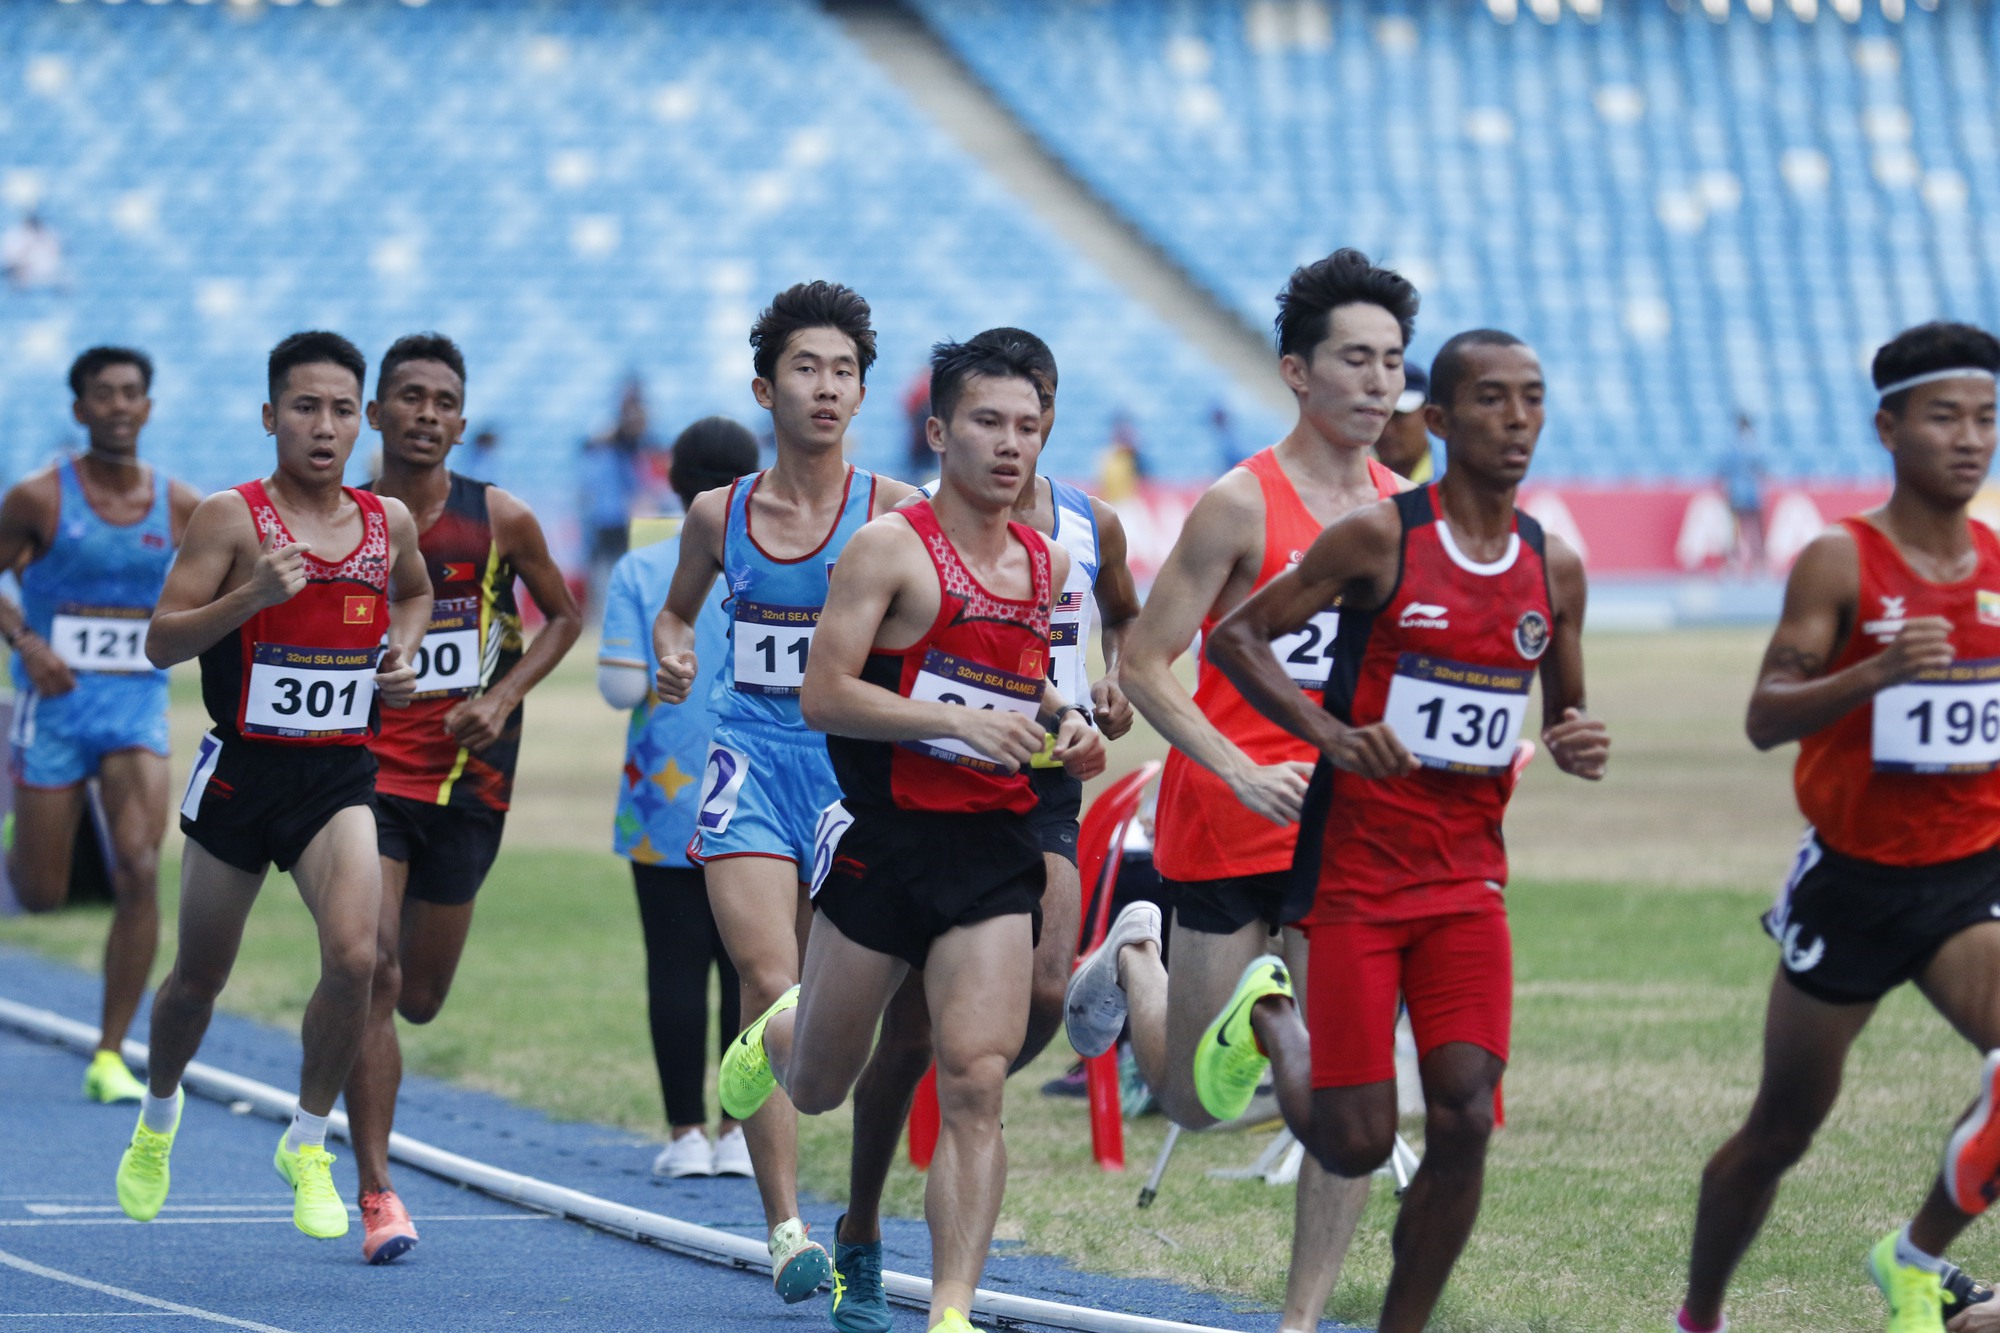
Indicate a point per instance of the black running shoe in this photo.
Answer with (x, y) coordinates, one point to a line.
(1962, 1289)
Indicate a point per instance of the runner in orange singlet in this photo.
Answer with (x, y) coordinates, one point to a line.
(1886, 669)
(1230, 797)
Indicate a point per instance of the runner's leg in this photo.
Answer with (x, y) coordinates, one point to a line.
(378, 1067)
(340, 878)
(1805, 1048)
(1055, 956)
(977, 981)
(45, 821)
(216, 898)
(763, 914)
(882, 1099)
(1167, 1021)
(1963, 982)
(137, 787)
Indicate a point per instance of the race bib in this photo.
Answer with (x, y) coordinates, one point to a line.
(771, 646)
(308, 693)
(101, 638)
(448, 660)
(953, 680)
(1945, 721)
(1307, 652)
(1067, 670)
(1460, 718)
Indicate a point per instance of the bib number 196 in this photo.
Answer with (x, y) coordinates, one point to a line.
(1945, 721)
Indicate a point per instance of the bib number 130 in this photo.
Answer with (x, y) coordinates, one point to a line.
(1457, 716)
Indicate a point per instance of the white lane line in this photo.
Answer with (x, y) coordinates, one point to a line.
(96, 1314)
(67, 1209)
(122, 1221)
(29, 1266)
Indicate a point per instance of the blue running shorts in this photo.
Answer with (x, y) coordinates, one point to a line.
(60, 742)
(761, 793)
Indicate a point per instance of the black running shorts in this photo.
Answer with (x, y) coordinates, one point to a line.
(1225, 906)
(448, 848)
(1850, 931)
(1058, 803)
(252, 804)
(901, 878)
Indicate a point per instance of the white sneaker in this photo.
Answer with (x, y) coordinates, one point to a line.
(689, 1154)
(732, 1155)
(1094, 1003)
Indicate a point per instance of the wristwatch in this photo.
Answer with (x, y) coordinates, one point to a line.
(1055, 719)
(16, 634)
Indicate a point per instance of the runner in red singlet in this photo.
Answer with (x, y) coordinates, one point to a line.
(1451, 603)
(286, 589)
(1229, 799)
(1886, 669)
(930, 676)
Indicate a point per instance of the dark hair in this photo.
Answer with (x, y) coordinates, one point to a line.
(811, 305)
(953, 365)
(1032, 349)
(98, 359)
(1345, 277)
(1939, 345)
(712, 452)
(1449, 371)
(420, 347)
(313, 348)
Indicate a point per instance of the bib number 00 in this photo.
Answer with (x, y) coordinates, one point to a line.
(1456, 716)
(447, 661)
(1945, 721)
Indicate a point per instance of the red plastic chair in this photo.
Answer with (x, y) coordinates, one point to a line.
(1103, 830)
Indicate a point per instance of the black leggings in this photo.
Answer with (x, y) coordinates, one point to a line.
(681, 942)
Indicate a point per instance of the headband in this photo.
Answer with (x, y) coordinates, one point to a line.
(1933, 376)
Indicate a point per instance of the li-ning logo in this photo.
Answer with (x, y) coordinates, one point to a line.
(1423, 615)
(1891, 622)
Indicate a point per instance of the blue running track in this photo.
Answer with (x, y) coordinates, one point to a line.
(224, 1253)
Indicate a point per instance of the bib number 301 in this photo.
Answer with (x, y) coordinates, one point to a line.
(1458, 717)
(1945, 721)
(298, 693)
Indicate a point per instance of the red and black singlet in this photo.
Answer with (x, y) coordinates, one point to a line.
(982, 651)
(1447, 661)
(303, 672)
(474, 638)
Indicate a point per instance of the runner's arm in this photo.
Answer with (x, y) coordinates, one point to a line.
(877, 568)
(1353, 561)
(1222, 532)
(478, 722)
(890, 494)
(409, 606)
(1117, 607)
(694, 575)
(1577, 742)
(622, 678)
(1078, 744)
(1795, 696)
(27, 515)
(193, 612)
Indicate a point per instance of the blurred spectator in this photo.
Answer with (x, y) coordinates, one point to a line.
(1405, 446)
(1742, 480)
(658, 795)
(919, 463)
(1229, 450)
(480, 459)
(31, 254)
(1123, 465)
(616, 466)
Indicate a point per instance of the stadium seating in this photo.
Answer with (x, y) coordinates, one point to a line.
(1687, 208)
(574, 191)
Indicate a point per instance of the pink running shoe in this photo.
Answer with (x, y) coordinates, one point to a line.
(1971, 1169)
(387, 1234)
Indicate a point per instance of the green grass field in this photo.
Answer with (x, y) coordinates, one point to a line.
(1641, 982)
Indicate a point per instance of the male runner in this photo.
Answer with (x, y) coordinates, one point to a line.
(285, 589)
(445, 763)
(1230, 795)
(1090, 531)
(1884, 667)
(931, 678)
(95, 534)
(1451, 602)
(773, 537)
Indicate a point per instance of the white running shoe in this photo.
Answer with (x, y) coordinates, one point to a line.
(732, 1155)
(1094, 1004)
(688, 1154)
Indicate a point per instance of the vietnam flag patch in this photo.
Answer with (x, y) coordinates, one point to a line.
(359, 611)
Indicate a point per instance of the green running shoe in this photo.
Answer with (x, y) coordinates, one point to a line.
(1915, 1295)
(142, 1171)
(108, 1080)
(1227, 1063)
(745, 1080)
(316, 1206)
